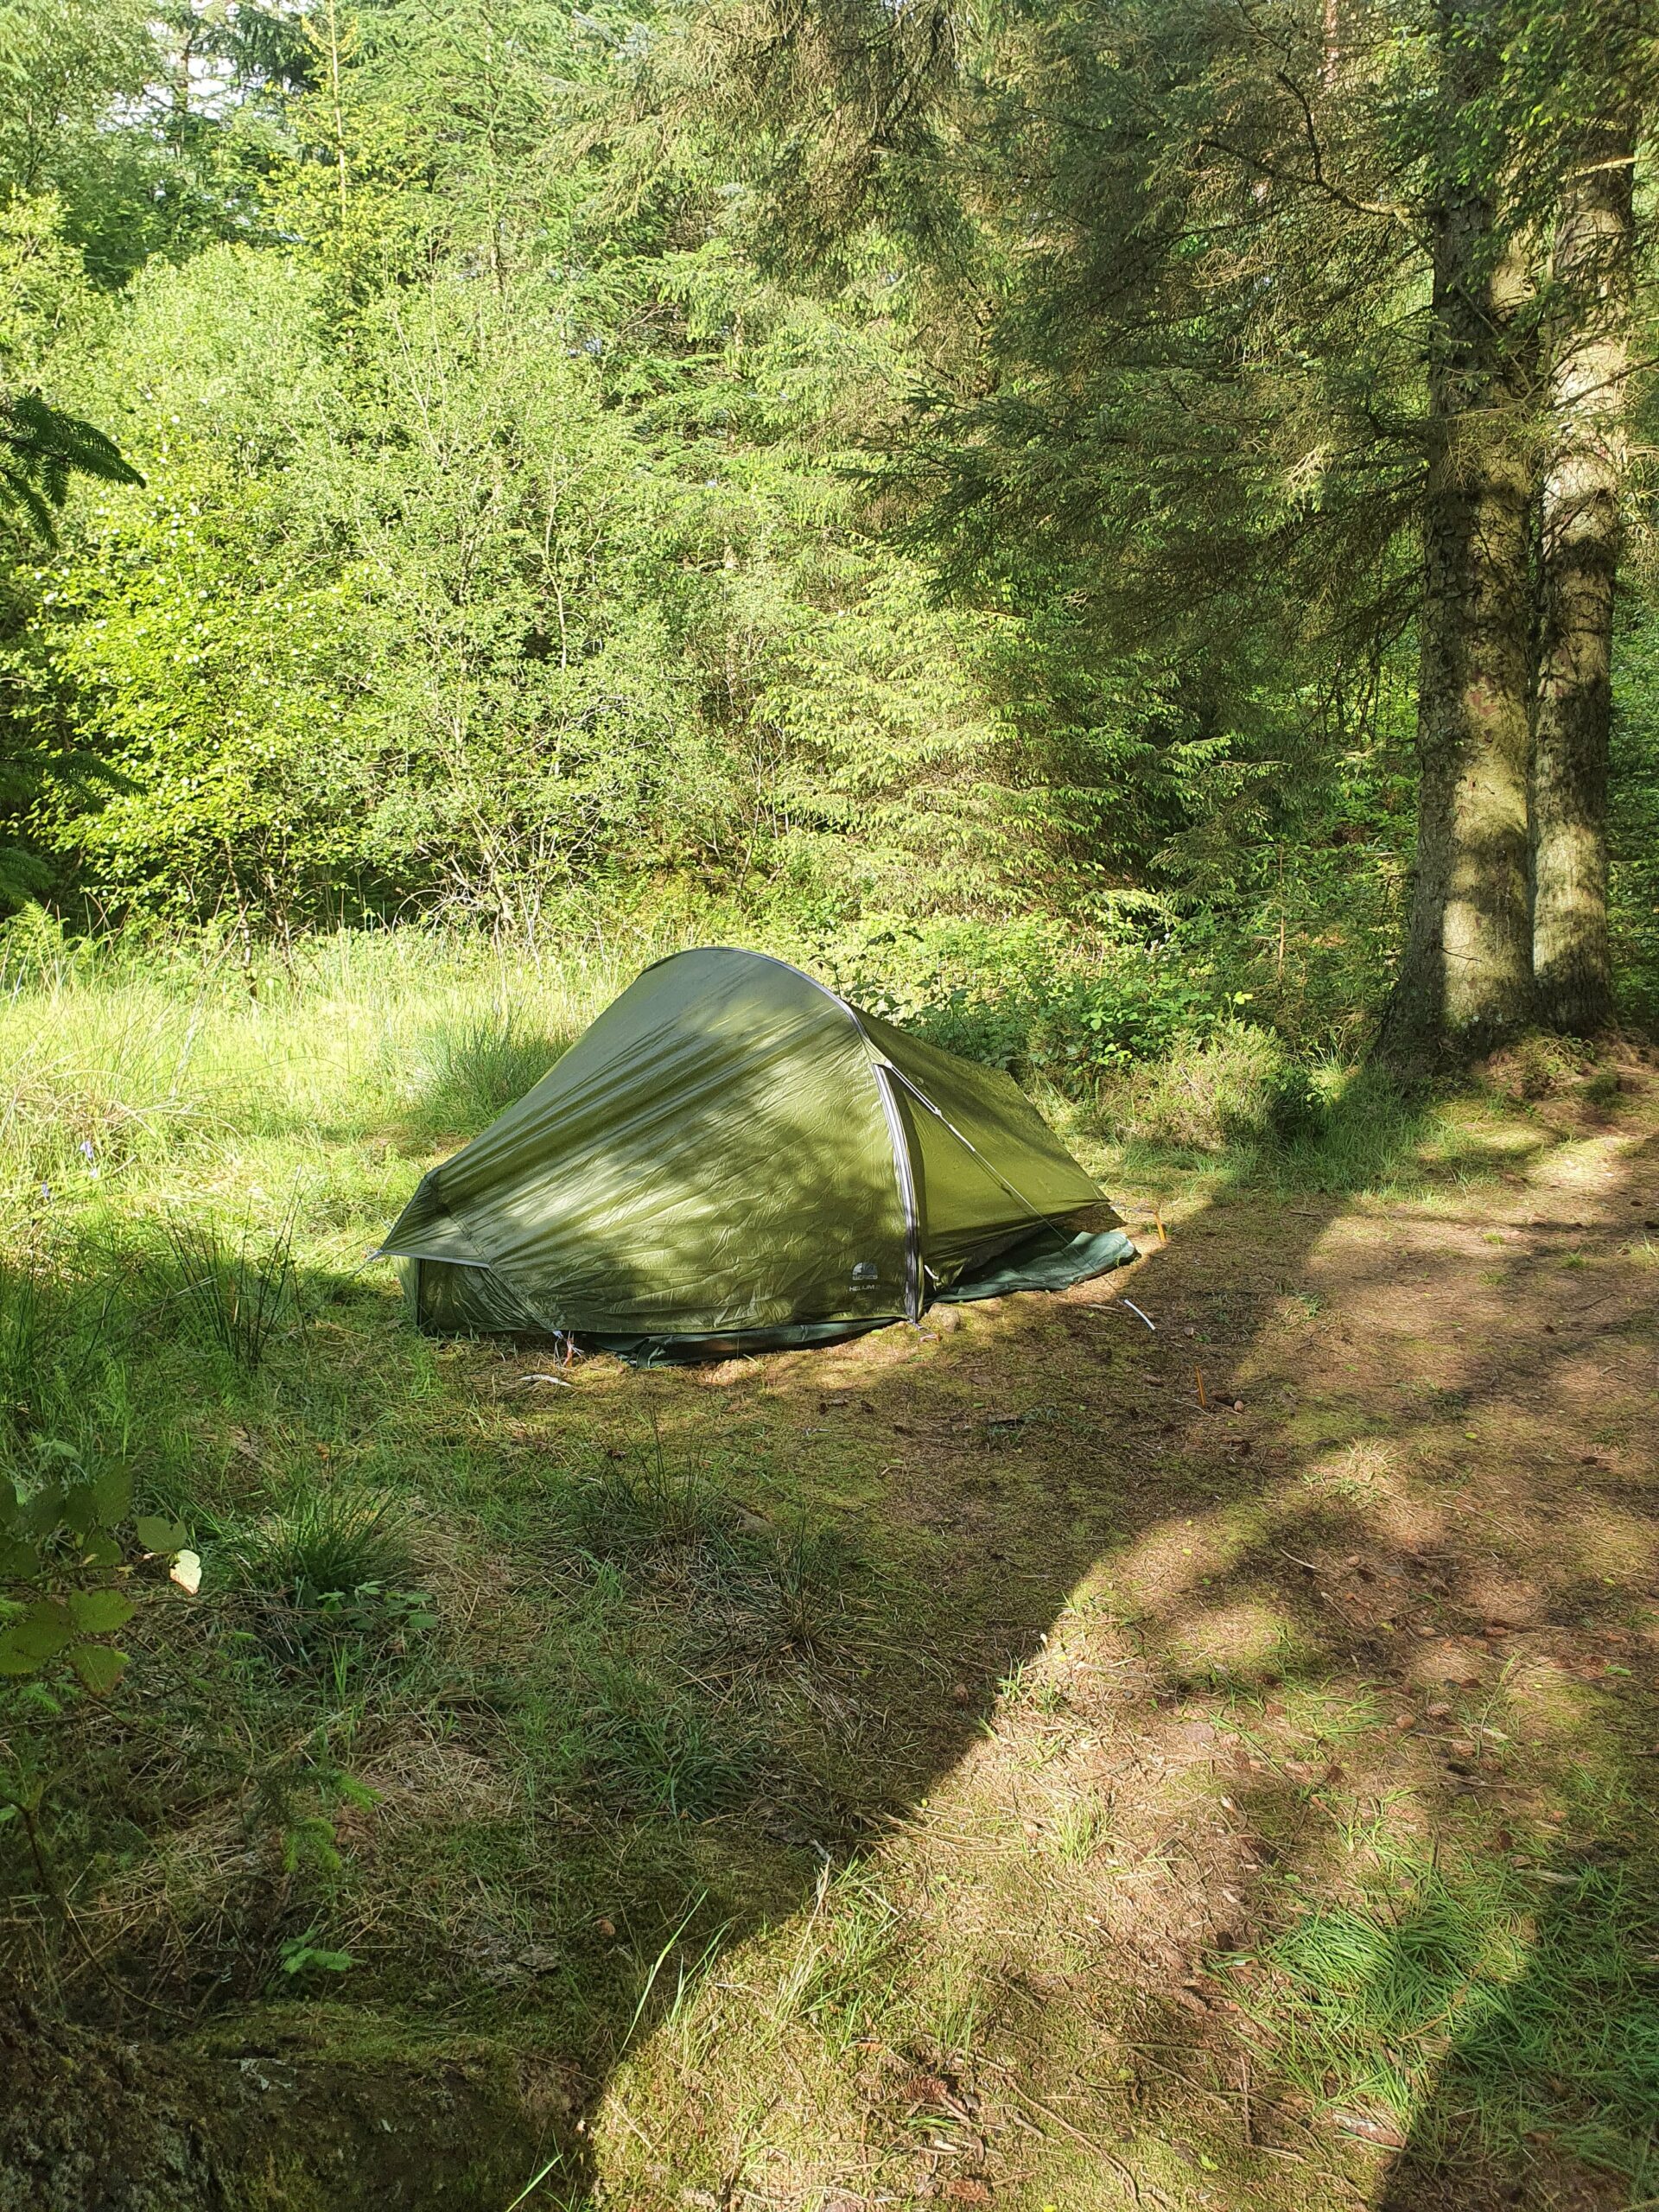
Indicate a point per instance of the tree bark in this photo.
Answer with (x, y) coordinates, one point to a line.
(1465, 979)
(1591, 272)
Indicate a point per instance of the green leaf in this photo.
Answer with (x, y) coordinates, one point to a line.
(298, 1958)
(99, 1667)
(112, 1495)
(19, 1562)
(157, 1535)
(8, 1503)
(79, 1509)
(42, 1514)
(101, 1551)
(100, 1612)
(43, 1631)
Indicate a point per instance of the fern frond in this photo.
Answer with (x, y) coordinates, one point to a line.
(42, 449)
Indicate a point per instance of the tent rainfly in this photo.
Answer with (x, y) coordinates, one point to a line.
(733, 1159)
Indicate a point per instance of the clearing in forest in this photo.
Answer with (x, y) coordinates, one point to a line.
(1034, 1760)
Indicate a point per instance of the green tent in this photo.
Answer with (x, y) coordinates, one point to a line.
(732, 1158)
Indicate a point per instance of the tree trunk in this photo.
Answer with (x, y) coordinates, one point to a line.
(1465, 979)
(1579, 549)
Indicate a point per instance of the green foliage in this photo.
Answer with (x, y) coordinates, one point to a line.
(503, 542)
(301, 1954)
(571, 475)
(68, 1541)
(40, 449)
(62, 65)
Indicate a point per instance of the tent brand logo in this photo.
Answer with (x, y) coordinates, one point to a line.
(867, 1271)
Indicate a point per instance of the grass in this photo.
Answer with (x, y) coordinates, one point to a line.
(1081, 1827)
(468, 1071)
(1461, 1991)
(329, 1544)
(234, 1289)
(823, 1763)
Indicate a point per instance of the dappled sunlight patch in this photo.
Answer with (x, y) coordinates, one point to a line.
(1169, 1558)
(1238, 1642)
(1364, 1999)
(1363, 1469)
(1608, 1541)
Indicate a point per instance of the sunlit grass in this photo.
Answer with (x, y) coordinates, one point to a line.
(1477, 1988)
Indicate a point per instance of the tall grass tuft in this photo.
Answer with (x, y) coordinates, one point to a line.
(853, 1961)
(238, 1291)
(805, 1589)
(472, 1070)
(1201, 1097)
(623, 1508)
(59, 1337)
(651, 1752)
(324, 1581)
(329, 1543)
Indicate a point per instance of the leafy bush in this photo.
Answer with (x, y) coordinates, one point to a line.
(1222, 1089)
(57, 1543)
(1036, 997)
(67, 1541)
(1143, 1009)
